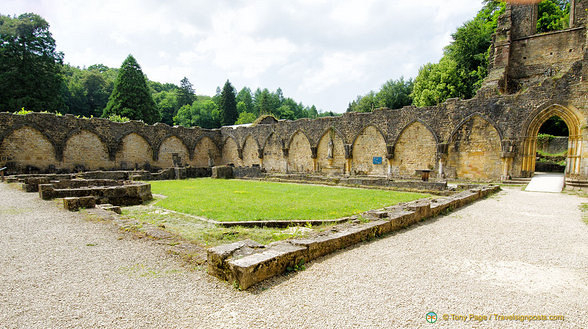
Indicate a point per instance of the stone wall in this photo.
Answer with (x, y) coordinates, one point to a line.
(553, 145)
(489, 137)
(416, 148)
(41, 142)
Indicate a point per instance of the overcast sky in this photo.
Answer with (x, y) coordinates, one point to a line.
(319, 52)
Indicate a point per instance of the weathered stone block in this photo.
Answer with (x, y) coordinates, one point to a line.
(422, 208)
(46, 191)
(75, 203)
(216, 256)
(224, 172)
(109, 207)
(255, 268)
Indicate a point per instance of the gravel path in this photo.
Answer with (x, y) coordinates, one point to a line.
(514, 253)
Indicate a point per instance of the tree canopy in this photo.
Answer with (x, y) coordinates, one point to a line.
(553, 15)
(463, 67)
(130, 97)
(33, 76)
(30, 65)
(393, 94)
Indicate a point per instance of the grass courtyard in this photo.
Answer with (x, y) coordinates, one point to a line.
(242, 200)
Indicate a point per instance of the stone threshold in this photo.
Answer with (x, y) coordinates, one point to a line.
(246, 263)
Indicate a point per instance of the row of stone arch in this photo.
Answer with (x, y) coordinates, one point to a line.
(473, 151)
(27, 146)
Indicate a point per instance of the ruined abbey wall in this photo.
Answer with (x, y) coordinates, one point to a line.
(532, 77)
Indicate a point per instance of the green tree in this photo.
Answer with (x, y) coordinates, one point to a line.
(365, 103)
(203, 113)
(553, 15)
(262, 102)
(437, 82)
(245, 117)
(130, 97)
(395, 94)
(167, 104)
(73, 93)
(245, 96)
(30, 65)
(228, 105)
(186, 94)
(184, 116)
(312, 112)
(469, 50)
(554, 126)
(463, 67)
(96, 92)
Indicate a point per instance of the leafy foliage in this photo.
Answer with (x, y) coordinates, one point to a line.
(245, 98)
(32, 75)
(118, 118)
(22, 111)
(464, 64)
(553, 15)
(393, 94)
(130, 97)
(186, 94)
(202, 113)
(245, 117)
(30, 65)
(437, 82)
(88, 90)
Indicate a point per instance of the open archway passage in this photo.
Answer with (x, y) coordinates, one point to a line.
(552, 146)
(574, 143)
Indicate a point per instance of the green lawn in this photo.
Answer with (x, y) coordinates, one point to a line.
(240, 200)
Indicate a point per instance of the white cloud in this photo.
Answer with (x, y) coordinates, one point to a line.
(322, 52)
(335, 68)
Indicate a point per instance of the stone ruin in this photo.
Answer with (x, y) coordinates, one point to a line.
(246, 263)
(493, 136)
(532, 77)
(86, 190)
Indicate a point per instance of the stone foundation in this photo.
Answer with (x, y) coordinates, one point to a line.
(246, 263)
(125, 195)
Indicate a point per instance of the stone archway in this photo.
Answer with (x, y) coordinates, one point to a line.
(300, 154)
(415, 148)
(572, 120)
(474, 150)
(369, 153)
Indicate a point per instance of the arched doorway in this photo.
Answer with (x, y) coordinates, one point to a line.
(572, 123)
(552, 146)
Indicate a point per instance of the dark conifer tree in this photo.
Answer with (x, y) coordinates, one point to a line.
(186, 95)
(228, 105)
(130, 97)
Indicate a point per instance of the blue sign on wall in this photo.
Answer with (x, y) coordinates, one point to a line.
(377, 160)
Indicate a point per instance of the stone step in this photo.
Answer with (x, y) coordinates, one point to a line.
(577, 183)
(517, 181)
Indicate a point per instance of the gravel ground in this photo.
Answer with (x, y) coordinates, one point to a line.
(515, 253)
